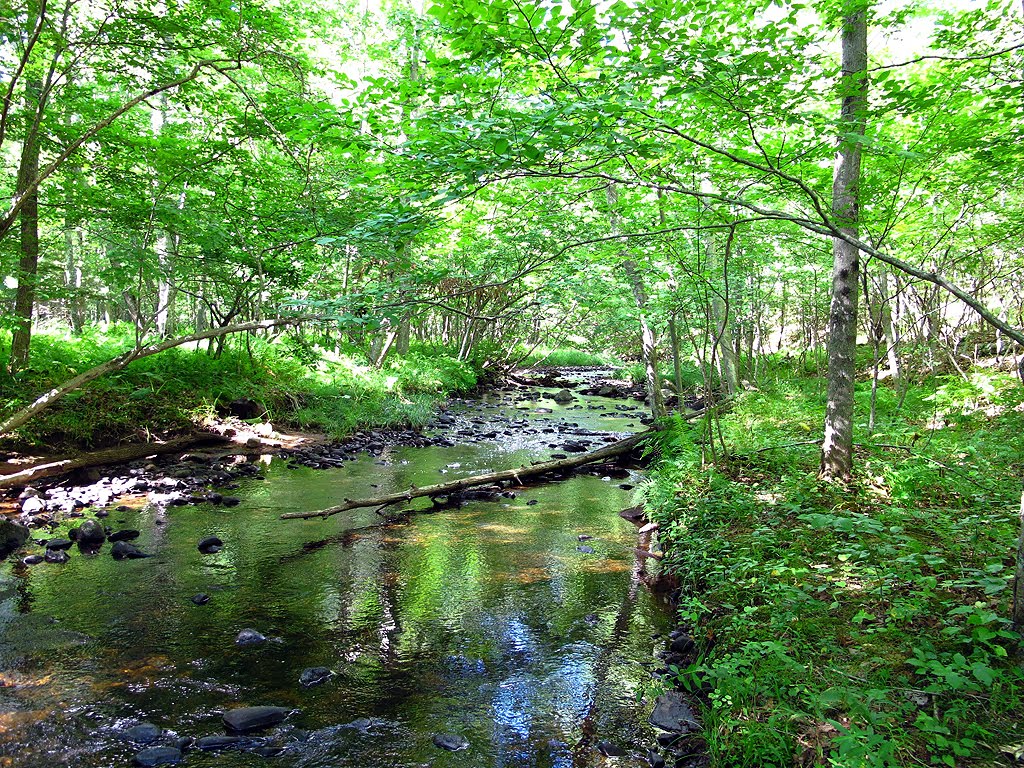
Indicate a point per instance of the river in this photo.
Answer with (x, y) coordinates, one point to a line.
(500, 623)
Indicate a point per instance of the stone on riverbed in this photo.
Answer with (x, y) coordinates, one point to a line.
(143, 733)
(250, 636)
(91, 534)
(215, 743)
(608, 749)
(125, 534)
(158, 756)
(450, 741)
(57, 556)
(210, 545)
(58, 544)
(672, 713)
(122, 550)
(246, 719)
(201, 599)
(563, 396)
(314, 676)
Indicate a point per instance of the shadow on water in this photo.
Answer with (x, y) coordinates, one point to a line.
(485, 621)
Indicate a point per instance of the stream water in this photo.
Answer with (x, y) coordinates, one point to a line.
(487, 621)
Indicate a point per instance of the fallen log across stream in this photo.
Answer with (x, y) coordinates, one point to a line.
(118, 455)
(515, 475)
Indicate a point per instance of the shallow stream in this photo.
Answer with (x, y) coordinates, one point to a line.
(492, 622)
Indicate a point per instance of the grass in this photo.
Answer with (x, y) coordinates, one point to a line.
(864, 626)
(299, 385)
(564, 357)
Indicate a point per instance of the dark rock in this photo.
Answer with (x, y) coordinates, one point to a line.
(672, 713)
(450, 741)
(57, 556)
(244, 408)
(608, 749)
(250, 637)
(158, 756)
(314, 676)
(12, 537)
(91, 533)
(210, 545)
(231, 501)
(126, 534)
(359, 724)
(563, 396)
(532, 502)
(573, 447)
(200, 599)
(122, 550)
(584, 537)
(143, 733)
(586, 549)
(247, 719)
(682, 645)
(59, 544)
(32, 560)
(216, 743)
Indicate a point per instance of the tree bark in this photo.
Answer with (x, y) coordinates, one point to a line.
(118, 455)
(1018, 574)
(28, 263)
(837, 448)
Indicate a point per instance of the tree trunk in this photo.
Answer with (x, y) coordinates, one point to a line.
(28, 263)
(1018, 580)
(837, 448)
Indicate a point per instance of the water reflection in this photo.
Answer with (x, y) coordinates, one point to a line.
(484, 621)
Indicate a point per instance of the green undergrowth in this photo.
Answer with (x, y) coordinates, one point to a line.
(296, 385)
(565, 357)
(860, 626)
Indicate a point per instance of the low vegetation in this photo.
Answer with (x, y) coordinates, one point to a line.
(294, 383)
(851, 626)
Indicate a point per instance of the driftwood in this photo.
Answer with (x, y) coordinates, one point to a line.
(106, 457)
(514, 475)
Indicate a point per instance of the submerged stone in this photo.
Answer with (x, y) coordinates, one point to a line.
(216, 743)
(12, 537)
(250, 636)
(314, 676)
(143, 733)
(247, 719)
(608, 749)
(158, 756)
(672, 713)
(450, 741)
(210, 545)
(122, 550)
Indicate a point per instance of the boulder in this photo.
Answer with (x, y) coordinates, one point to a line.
(200, 599)
(55, 544)
(91, 534)
(12, 537)
(672, 713)
(57, 556)
(246, 719)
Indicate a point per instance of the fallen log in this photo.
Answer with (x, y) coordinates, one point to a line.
(106, 457)
(516, 475)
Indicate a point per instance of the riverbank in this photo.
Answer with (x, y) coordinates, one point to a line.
(253, 381)
(858, 626)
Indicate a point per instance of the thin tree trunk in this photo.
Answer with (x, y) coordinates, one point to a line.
(28, 263)
(1018, 581)
(837, 448)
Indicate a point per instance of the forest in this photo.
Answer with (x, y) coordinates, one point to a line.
(780, 236)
